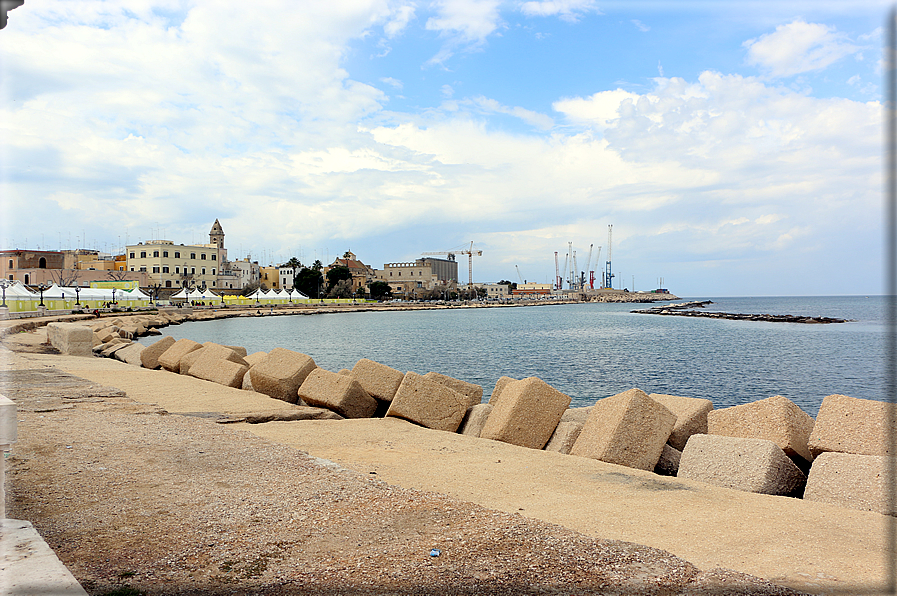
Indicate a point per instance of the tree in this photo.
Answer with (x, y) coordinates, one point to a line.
(118, 275)
(336, 275)
(308, 281)
(512, 285)
(317, 265)
(341, 289)
(380, 290)
(481, 292)
(64, 277)
(250, 288)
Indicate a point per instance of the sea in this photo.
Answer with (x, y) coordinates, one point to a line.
(590, 351)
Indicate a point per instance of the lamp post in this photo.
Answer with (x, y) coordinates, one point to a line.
(5, 283)
(77, 296)
(42, 287)
(113, 297)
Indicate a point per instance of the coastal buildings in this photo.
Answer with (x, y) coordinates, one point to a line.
(424, 274)
(64, 268)
(362, 275)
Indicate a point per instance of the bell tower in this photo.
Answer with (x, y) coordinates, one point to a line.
(216, 235)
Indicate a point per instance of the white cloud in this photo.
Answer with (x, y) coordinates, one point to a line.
(600, 108)
(532, 118)
(798, 47)
(392, 82)
(568, 10)
(397, 24)
(640, 26)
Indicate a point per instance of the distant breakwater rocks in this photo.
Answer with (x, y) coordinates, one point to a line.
(681, 310)
(769, 446)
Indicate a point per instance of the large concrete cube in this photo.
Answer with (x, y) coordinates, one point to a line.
(216, 363)
(380, 381)
(776, 419)
(527, 413)
(849, 480)
(628, 429)
(475, 419)
(851, 425)
(149, 357)
(340, 393)
(568, 429)
(751, 465)
(281, 373)
(170, 359)
(252, 360)
(499, 387)
(473, 392)
(428, 403)
(691, 416)
(71, 339)
(130, 354)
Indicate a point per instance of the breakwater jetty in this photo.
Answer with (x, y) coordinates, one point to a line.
(837, 458)
(682, 310)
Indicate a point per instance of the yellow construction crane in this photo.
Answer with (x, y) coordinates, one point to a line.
(470, 252)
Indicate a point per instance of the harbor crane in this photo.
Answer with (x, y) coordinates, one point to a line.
(583, 275)
(520, 277)
(557, 272)
(608, 276)
(470, 252)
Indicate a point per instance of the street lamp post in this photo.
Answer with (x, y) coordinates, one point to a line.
(5, 283)
(77, 296)
(42, 287)
(113, 297)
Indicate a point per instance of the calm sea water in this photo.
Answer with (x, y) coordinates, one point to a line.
(590, 351)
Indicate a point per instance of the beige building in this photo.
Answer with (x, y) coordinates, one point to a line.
(497, 291)
(35, 267)
(171, 265)
(362, 275)
(427, 274)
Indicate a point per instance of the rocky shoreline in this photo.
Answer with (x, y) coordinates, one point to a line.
(681, 310)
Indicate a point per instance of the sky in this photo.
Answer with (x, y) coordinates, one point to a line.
(735, 147)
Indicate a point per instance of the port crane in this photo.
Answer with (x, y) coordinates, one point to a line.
(470, 252)
(608, 276)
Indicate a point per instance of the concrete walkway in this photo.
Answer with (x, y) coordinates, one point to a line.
(28, 567)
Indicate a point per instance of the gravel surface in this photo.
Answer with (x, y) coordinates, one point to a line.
(135, 500)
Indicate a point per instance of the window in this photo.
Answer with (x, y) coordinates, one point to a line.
(193, 255)
(132, 269)
(155, 253)
(192, 270)
(10, 263)
(143, 269)
(202, 256)
(177, 254)
(155, 270)
(214, 257)
(27, 279)
(132, 255)
(203, 270)
(177, 269)
(167, 283)
(42, 263)
(142, 254)
(165, 253)
(164, 269)
(390, 273)
(213, 271)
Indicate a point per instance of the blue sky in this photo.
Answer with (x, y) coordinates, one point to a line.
(734, 147)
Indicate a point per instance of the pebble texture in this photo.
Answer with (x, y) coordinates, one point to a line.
(629, 429)
(428, 403)
(340, 393)
(527, 413)
(691, 416)
(149, 358)
(848, 480)
(776, 419)
(281, 373)
(473, 392)
(851, 425)
(751, 465)
(380, 381)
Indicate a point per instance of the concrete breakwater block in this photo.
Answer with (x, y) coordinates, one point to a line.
(849, 480)
(71, 338)
(380, 381)
(499, 387)
(428, 403)
(149, 357)
(851, 425)
(252, 360)
(568, 429)
(628, 429)
(691, 416)
(750, 465)
(281, 373)
(217, 363)
(130, 354)
(341, 393)
(776, 419)
(668, 464)
(473, 392)
(170, 359)
(526, 414)
(475, 419)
